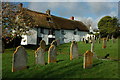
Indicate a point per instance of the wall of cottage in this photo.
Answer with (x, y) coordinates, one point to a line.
(62, 36)
(31, 38)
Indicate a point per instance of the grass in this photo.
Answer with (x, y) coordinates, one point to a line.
(64, 68)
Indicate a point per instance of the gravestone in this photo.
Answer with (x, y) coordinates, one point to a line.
(113, 40)
(107, 38)
(52, 54)
(39, 53)
(42, 44)
(73, 50)
(54, 42)
(19, 60)
(88, 59)
(104, 43)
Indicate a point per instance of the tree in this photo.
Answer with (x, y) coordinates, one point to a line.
(11, 27)
(108, 26)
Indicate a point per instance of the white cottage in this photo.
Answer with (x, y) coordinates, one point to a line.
(49, 27)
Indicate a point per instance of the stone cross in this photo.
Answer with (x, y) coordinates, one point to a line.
(104, 43)
(88, 59)
(73, 50)
(52, 54)
(19, 60)
(39, 53)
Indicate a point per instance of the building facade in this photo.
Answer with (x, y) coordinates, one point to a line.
(49, 27)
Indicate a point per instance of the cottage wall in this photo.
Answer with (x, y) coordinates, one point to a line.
(30, 39)
(63, 37)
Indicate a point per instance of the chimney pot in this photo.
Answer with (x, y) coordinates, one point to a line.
(72, 18)
(48, 12)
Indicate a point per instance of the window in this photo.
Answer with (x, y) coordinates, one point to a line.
(42, 30)
(62, 32)
(51, 32)
(75, 32)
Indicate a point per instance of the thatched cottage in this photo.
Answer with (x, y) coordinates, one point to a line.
(49, 27)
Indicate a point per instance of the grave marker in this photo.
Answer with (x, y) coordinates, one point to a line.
(19, 60)
(54, 42)
(104, 43)
(52, 54)
(88, 61)
(73, 50)
(39, 53)
(42, 44)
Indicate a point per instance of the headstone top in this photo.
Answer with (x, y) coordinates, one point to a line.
(88, 53)
(42, 44)
(19, 47)
(54, 42)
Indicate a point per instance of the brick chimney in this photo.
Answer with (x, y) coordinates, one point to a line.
(72, 17)
(48, 12)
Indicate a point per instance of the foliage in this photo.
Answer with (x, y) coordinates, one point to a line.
(13, 23)
(108, 25)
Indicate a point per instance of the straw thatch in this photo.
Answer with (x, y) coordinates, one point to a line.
(41, 20)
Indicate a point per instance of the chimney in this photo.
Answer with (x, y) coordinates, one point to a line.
(72, 17)
(48, 12)
(20, 5)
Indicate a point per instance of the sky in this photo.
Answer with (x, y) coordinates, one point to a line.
(82, 10)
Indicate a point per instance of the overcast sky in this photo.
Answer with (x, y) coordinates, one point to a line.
(81, 9)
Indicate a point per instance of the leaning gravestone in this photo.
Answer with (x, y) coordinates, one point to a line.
(104, 43)
(39, 53)
(88, 61)
(73, 50)
(19, 60)
(52, 54)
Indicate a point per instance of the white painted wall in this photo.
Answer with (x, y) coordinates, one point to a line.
(30, 39)
(61, 38)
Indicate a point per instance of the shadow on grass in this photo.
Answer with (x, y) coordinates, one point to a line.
(97, 64)
(59, 61)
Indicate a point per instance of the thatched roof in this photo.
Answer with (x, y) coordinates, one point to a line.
(40, 20)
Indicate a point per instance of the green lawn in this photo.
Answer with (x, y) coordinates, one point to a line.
(64, 68)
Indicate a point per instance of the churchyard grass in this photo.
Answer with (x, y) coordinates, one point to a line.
(66, 68)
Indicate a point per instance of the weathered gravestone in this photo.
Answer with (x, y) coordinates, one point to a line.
(104, 43)
(73, 50)
(88, 61)
(19, 60)
(39, 53)
(52, 54)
